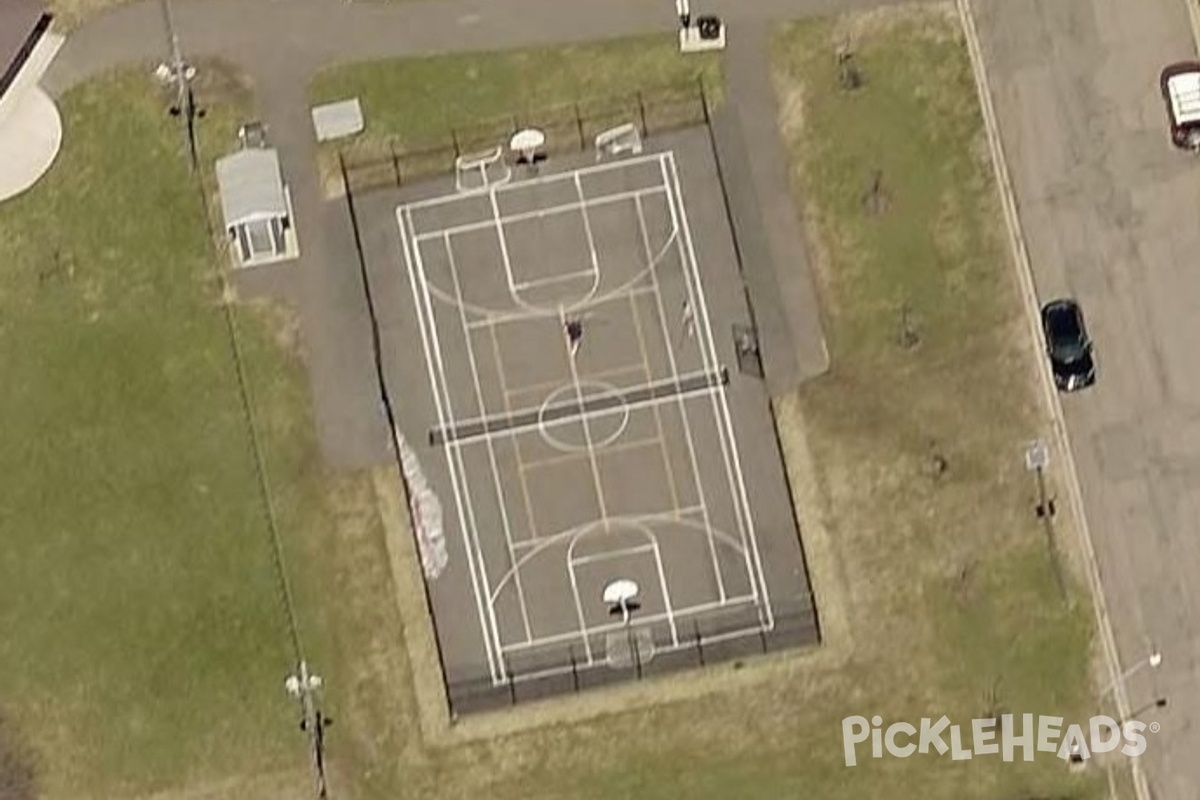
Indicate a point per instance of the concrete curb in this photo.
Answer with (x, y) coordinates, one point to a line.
(1050, 394)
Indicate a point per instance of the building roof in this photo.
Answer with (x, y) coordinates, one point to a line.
(251, 186)
(22, 23)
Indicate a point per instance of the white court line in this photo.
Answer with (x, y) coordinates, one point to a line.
(490, 641)
(546, 211)
(471, 531)
(642, 620)
(545, 542)
(566, 276)
(668, 341)
(596, 481)
(587, 229)
(730, 448)
(692, 286)
(572, 562)
(516, 442)
(549, 386)
(609, 555)
(552, 672)
(541, 463)
(635, 405)
(626, 164)
(745, 514)
(502, 318)
(505, 523)
(666, 591)
(658, 423)
(503, 242)
(579, 615)
(587, 431)
(675, 515)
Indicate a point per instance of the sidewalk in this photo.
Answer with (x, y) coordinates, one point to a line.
(766, 220)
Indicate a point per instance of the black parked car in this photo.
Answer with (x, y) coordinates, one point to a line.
(1068, 345)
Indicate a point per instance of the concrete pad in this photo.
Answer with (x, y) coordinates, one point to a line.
(30, 137)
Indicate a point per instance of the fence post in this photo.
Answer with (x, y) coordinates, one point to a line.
(512, 684)
(637, 656)
(454, 139)
(579, 127)
(395, 162)
(699, 642)
(574, 668)
(642, 113)
(762, 637)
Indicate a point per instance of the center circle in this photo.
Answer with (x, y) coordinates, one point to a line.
(586, 403)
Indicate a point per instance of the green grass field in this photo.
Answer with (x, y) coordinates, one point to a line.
(418, 100)
(143, 642)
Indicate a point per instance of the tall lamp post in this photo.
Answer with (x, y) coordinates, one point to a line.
(180, 74)
(303, 686)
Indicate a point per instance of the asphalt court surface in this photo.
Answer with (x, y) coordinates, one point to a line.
(644, 455)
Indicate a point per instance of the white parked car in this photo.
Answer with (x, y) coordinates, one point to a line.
(1180, 84)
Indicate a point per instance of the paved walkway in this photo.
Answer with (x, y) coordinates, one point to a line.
(777, 273)
(282, 43)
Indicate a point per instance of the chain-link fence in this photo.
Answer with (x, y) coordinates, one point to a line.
(627, 656)
(569, 128)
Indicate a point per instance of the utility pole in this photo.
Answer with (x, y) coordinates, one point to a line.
(180, 74)
(303, 686)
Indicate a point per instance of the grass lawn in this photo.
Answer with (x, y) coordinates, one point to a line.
(418, 100)
(69, 15)
(938, 592)
(415, 104)
(143, 641)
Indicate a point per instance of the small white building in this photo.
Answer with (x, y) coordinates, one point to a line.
(257, 207)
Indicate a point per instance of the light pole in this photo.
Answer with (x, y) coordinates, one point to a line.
(303, 686)
(181, 75)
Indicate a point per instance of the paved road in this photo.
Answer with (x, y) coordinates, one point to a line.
(1111, 215)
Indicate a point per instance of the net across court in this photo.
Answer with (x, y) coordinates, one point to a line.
(583, 412)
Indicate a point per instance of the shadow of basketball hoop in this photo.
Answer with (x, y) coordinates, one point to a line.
(629, 649)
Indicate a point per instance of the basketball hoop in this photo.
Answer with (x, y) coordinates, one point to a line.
(528, 144)
(621, 598)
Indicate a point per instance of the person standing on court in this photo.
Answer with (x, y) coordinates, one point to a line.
(689, 320)
(574, 331)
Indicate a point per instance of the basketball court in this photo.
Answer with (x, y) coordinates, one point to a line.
(582, 429)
